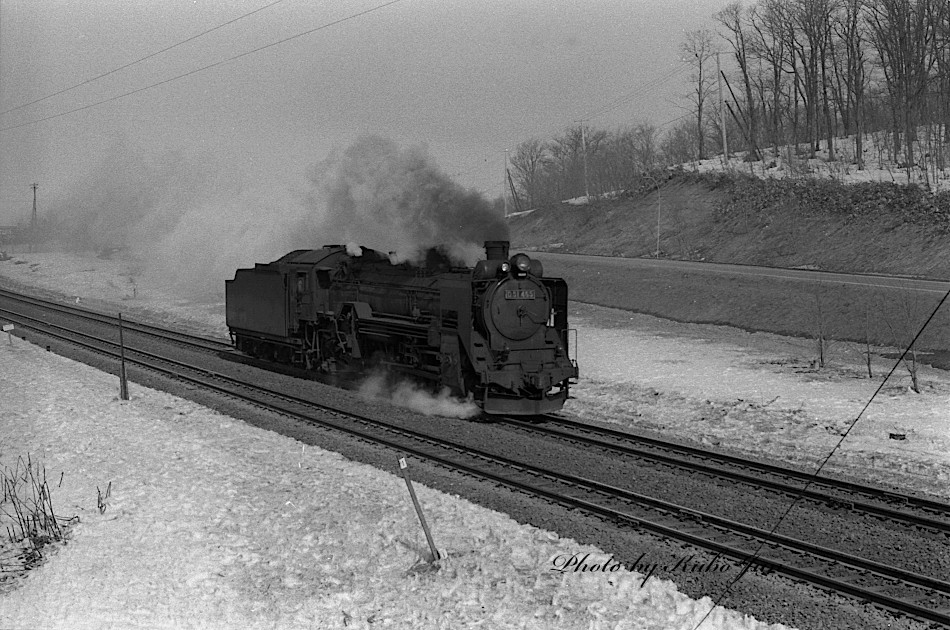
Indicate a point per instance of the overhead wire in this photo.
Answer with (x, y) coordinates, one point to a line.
(634, 95)
(625, 98)
(747, 564)
(204, 68)
(141, 59)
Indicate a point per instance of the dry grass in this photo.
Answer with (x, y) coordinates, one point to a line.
(29, 522)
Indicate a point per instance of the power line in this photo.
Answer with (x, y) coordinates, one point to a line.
(203, 68)
(635, 94)
(678, 118)
(747, 564)
(626, 97)
(140, 60)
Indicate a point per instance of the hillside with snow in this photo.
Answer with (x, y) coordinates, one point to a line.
(788, 209)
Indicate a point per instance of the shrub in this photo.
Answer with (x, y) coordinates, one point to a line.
(866, 201)
(29, 523)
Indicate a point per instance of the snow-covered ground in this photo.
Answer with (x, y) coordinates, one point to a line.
(760, 394)
(788, 163)
(211, 523)
(878, 165)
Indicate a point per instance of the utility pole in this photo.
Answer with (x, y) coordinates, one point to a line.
(504, 184)
(659, 201)
(722, 115)
(584, 149)
(33, 221)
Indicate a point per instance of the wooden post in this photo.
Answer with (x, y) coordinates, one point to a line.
(8, 328)
(123, 381)
(404, 467)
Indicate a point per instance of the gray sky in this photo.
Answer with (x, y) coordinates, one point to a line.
(464, 78)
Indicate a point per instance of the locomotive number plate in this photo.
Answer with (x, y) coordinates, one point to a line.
(519, 294)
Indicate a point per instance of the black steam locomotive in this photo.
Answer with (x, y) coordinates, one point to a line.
(496, 332)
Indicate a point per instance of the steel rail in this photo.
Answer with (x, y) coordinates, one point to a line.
(942, 526)
(129, 324)
(731, 529)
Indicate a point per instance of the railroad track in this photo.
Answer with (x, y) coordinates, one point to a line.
(907, 510)
(893, 588)
(82, 313)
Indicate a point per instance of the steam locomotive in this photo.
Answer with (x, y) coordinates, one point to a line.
(497, 332)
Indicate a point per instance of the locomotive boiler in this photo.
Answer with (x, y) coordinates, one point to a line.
(496, 332)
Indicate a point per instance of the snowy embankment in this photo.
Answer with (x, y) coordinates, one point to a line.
(213, 523)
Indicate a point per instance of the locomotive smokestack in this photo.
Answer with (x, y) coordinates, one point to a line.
(496, 250)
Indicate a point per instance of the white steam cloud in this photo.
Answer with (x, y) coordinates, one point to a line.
(411, 396)
(182, 226)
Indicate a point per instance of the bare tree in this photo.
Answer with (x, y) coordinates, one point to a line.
(679, 143)
(733, 18)
(770, 22)
(905, 34)
(697, 50)
(811, 22)
(568, 153)
(851, 67)
(904, 325)
(528, 162)
(823, 335)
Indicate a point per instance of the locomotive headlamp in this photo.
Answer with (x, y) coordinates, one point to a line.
(505, 267)
(522, 264)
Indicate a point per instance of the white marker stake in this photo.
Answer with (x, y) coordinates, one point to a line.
(422, 519)
(8, 328)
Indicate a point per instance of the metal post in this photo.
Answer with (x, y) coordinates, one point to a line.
(123, 381)
(659, 199)
(33, 221)
(404, 467)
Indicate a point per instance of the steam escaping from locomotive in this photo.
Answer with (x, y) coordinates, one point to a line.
(396, 200)
(412, 396)
(180, 223)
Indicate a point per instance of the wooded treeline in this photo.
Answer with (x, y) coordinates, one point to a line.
(797, 75)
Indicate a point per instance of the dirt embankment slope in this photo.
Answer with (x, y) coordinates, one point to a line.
(710, 221)
(779, 226)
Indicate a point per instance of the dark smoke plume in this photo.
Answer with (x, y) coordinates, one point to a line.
(396, 200)
(187, 224)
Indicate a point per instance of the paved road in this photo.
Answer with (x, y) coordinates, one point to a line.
(892, 282)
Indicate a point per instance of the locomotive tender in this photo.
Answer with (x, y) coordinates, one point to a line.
(496, 332)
